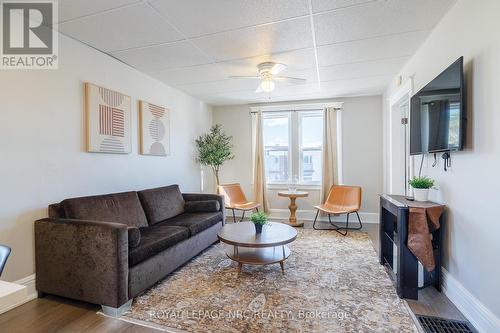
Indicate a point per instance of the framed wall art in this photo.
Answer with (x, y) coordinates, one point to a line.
(108, 117)
(154, 129)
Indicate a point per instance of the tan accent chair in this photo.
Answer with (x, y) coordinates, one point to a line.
(341, 199)
(235, 199)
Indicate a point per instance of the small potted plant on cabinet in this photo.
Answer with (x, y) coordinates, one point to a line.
(259, 219)
(421, 186)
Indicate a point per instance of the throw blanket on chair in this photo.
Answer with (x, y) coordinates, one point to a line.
(422, 222)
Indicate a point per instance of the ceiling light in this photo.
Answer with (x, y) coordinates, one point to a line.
(267, 85)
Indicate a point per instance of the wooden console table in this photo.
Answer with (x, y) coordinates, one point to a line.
(393, 230)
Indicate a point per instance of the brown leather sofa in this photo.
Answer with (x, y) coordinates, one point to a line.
(107, 249)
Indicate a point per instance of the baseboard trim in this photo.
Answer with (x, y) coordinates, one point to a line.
(476, 312)
(29, 294)
(308, 215)
(30, 283)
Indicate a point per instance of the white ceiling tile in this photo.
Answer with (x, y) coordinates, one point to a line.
(233, 85)
(355, 87)
(163, 57)
(386, 67)
(299, 63)
(295, 60)
(196, 18)
(295, 90)
(194, 74)
(371, 49)
(309, 75)
(323, 5)
(254, 41)
(129, 27)
(71, 9)
(220, 100)
(341, 88)
(377, 19)
(363, 43)
(218, 87)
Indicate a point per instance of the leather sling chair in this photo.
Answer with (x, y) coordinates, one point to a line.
(4, 254)
(341, 200)
(235, 199)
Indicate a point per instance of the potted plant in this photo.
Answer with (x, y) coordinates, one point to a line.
(259, 219)
(214, 148)
(421, 186)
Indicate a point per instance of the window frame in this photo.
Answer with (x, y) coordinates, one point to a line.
(295, 145)
(300, 149)
(287, 115)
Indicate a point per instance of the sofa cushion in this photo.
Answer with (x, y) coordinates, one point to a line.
(162, 203)
(202, 206)
(134, 236)
(155, 239)
(117, 207)
(195, 222)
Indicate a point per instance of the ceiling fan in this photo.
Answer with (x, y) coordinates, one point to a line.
(268, 75)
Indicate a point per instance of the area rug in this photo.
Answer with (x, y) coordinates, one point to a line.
(331, 284)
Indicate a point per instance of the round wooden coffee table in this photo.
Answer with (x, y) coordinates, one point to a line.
(248, 247)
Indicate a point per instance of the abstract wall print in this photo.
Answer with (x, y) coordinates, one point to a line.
(154, 129)
(108, 115)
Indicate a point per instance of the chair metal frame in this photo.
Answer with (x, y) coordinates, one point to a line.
(338, 193)
(243, 215)
(233, 208)
(337, 227)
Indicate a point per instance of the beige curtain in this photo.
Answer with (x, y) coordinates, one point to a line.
(259, 175)
(330, 168)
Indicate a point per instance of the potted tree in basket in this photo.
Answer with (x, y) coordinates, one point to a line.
(214, 148)
(259, 219)
(421, 186)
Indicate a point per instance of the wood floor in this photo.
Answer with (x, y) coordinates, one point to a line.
(430, 301)
(54, 314)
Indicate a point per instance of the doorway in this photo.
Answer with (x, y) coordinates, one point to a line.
(400, 163)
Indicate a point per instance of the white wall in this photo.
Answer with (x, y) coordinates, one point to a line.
(470, 189)
(42, 158)
(362, 150)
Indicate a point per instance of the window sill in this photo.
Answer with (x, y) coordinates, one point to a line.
(283, 187)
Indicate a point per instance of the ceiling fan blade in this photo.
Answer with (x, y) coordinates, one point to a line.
(259, 89)
(294, 80)
(245, 77)
(277, 68)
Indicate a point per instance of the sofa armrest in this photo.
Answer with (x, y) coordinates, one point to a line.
(207, 196)
(84, 260)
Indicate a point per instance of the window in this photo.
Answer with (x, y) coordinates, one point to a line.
(276, 147)
(293, 143)
(310, 146)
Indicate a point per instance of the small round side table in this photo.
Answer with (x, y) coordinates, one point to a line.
(293, 207)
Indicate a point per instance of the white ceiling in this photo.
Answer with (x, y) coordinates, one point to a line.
(342, 47)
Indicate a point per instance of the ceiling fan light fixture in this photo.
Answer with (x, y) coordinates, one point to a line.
(267, 85)
(268, 75)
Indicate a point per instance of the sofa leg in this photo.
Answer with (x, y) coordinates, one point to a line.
(116, 312)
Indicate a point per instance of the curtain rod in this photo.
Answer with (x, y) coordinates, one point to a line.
(300, 110)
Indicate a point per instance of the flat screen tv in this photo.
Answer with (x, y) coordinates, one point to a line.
(437, 113)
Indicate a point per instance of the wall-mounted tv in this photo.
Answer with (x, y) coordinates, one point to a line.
(437, 113)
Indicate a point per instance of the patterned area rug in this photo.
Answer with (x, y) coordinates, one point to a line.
(331, 284)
